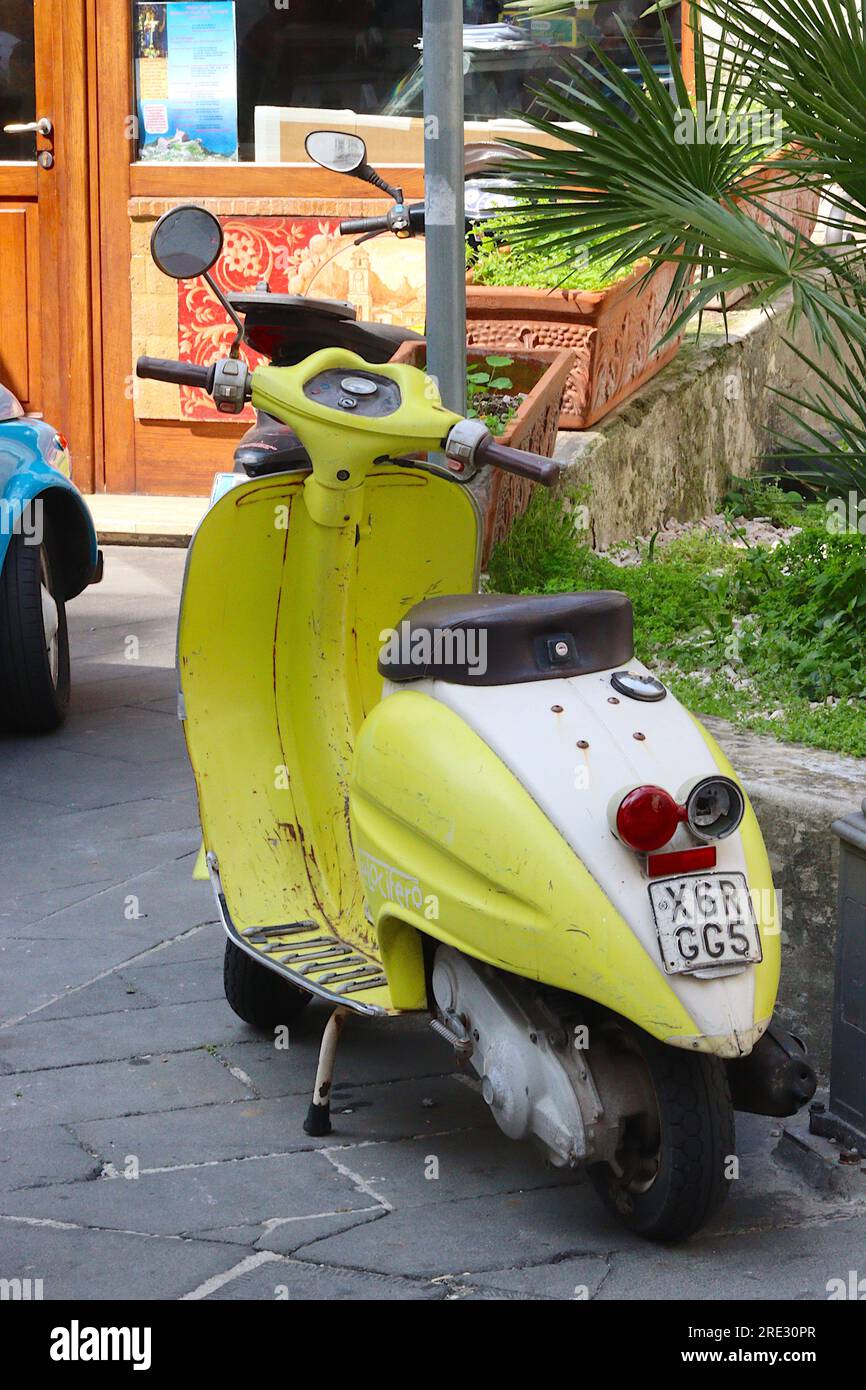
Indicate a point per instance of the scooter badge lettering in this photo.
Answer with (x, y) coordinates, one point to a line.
(390, 883)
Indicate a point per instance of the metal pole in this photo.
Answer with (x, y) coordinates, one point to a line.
(443, 184)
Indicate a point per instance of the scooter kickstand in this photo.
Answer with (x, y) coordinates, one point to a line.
(318, 1121)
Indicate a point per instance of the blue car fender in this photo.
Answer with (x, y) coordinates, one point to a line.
(34, 484)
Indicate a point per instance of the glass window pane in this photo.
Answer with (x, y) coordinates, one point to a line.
(17, 84)
(246, 79)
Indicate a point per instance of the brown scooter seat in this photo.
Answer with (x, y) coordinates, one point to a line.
(502, 639)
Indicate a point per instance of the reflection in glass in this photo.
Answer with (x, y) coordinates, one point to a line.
(17, 82)
(364, 57)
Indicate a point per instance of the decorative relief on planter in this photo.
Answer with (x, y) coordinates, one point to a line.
(611, 332)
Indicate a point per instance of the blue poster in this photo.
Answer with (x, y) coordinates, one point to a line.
(186, 79)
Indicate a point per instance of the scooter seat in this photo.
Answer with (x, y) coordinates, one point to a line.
(503, 639)
(269, 446)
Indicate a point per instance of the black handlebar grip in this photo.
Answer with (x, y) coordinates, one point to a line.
(178, 373)
(534, 466)
(356, 225)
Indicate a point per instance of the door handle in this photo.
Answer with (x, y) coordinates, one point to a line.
(42, 127)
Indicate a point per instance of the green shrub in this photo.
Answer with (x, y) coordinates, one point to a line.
(772, 638)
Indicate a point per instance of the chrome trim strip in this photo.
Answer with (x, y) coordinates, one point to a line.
(301, 981)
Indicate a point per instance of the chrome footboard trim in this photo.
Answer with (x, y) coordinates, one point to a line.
(357, 972)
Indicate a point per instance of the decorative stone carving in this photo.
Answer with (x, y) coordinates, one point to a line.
(612, 334)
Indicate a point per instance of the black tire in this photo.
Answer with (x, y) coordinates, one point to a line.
(258, 995)
(680, 1180)
(34, 677)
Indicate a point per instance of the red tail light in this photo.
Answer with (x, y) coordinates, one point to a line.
(647, 818)
(681, 861)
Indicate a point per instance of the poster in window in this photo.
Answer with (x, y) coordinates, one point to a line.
(186, 78)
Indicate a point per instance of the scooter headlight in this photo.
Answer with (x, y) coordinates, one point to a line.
(714, 808)
(647, 818)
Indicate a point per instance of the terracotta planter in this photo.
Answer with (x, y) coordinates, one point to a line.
(611, 333)
(542, 375)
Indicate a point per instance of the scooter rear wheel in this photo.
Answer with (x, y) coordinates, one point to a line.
(675, 1164)
(258, 995)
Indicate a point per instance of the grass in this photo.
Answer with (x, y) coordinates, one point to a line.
(772, 639)
(532, 264)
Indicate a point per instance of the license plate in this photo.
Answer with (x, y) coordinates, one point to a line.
(704, 921)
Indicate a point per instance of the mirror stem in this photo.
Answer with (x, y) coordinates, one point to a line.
(369, 175)
(236, 320)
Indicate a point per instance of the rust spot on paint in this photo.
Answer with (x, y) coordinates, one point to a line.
(640, 737)
(556, 709)
(582, 743)
(612, 700)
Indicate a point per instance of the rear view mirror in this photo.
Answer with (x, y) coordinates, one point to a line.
(186, 242)
(342, 154)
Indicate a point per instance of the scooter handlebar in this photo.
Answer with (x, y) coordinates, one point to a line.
(534, 466)
(365, 226)
(178, 373)
(471, 445)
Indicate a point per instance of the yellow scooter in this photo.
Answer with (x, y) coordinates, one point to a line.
(417, 798)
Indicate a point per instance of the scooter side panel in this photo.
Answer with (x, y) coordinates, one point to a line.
(576, 753)
(277, 674)
(450, 843)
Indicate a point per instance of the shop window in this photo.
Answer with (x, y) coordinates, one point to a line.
(17, 84)
(245, 80)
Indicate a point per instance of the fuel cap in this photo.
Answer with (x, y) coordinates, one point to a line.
(638, 686)
(359, 386)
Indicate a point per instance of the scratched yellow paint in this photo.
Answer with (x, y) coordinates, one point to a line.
(278, 642)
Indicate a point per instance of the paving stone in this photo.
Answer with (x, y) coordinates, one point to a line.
(74, 1041)
(43, 1154)
(215, 1132)
(86, 1265)
(112, 994)
(173, 982)
(238, 1199)
(370, 1051)
(295, 1281)
(482, 1233)
(445, 1167)
(161, 1082)
(788, 1263)
(576, 1280)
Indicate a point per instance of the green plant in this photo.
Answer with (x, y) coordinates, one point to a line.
(762, 497)
(774, 639)
(536, 263)
(481, 388)
(628, 173)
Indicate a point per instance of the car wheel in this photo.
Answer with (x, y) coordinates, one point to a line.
(34, 642)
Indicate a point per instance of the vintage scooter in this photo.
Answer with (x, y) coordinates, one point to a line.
(415, 797)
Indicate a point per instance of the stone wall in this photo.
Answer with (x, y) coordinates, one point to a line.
(668, 451)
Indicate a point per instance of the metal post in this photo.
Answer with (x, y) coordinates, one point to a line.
(443, 183)
(844, 1118)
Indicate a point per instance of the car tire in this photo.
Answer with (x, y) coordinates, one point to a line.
(34, 641)
(257, 994)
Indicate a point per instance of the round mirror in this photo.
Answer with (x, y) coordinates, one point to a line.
(343, 154)
(186, 242)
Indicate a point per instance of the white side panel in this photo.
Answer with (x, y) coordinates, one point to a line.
(574, 786)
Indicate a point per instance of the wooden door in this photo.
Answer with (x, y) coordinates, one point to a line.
(46, 304)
